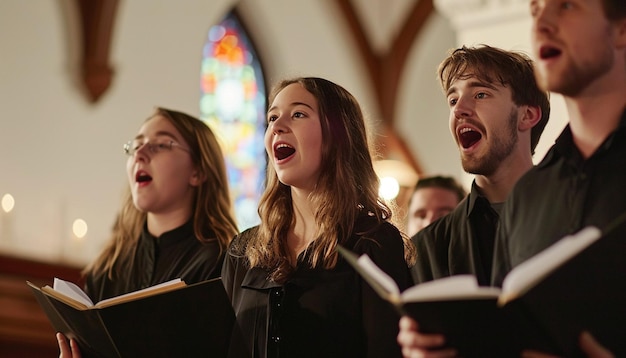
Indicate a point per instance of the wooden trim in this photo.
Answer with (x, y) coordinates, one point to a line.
(24, 328)
(392, 65)
(385, 71)
(15, 266)
(97, 18)
(372, 61)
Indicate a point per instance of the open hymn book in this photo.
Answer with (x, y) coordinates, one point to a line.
(167, 320)
(72, 295)
(578, 283)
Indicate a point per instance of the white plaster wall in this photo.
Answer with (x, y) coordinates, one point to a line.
(61, 157)
(308, 38)
(422, 118)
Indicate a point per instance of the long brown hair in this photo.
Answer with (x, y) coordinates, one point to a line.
(347, 186)
(212, 207)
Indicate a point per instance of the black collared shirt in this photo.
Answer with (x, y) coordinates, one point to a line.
(560, 196)
(174, 254)
(317, 312)
(458, 243)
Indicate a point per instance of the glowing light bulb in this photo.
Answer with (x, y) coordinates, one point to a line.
(8, 203)
(389, 188)
(79, 228)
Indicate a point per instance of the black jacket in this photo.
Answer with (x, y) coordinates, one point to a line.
(461, 242)
(175, 254)
(317, 312)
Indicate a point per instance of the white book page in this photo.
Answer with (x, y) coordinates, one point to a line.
(449, 288)
(379, 275)
(147, 289)
(71, 290)
(533, 270)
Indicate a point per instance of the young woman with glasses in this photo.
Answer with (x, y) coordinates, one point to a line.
(177, 218)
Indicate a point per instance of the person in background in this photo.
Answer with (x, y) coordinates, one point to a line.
(433, 197)
(293, 295)
(176, 220)
(497, 115)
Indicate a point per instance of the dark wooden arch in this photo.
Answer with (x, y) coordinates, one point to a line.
(385, 70)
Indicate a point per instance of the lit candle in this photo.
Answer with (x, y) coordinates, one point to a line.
(8, 203)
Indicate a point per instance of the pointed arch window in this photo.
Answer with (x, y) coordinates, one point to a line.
(233, 104)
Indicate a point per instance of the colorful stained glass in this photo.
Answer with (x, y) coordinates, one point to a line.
(233, 103)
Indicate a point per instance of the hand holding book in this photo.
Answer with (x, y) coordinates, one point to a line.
(544, 304)
(518, 281)
(171, 319)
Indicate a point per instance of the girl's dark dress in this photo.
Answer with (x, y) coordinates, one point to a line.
(175, 254)
(317, 312)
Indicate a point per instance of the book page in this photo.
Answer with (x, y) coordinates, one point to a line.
(162, 287)
(380, 282)
(533, 270)
(449, 288)
(379, 275)
(71, 290)
(49, 291)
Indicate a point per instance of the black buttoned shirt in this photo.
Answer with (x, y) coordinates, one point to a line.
(560, 196)
(317, 312)
(174, 254)
(459, 243)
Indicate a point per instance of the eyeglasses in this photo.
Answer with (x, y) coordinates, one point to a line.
(132, 146)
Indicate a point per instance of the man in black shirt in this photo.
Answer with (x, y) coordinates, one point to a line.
(581, 53)
(497, 114)
(580, 48)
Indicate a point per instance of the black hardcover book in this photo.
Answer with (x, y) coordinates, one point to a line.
(179, 321)
(577, 284)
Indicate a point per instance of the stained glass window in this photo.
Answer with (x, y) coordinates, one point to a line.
(233, 103)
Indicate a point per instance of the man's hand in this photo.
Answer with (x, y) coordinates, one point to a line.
(418, 345)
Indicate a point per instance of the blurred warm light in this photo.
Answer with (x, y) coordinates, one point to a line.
(389, 188)
(402, 172)
(79, 228)
(8, 203)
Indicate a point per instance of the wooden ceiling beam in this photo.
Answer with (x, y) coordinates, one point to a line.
(97, 19)
(386, 70)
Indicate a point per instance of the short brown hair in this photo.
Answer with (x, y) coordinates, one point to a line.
(511, 69)
(614, 9)
(443, 182)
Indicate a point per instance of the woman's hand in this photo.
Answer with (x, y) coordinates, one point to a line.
(68, 349)
(588, 344)
(418, 345)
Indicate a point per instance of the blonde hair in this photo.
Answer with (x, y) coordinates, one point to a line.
(347, 187)
(212, 207)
